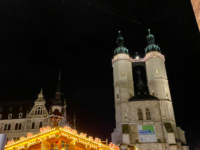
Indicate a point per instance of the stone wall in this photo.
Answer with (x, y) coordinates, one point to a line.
(196, 8)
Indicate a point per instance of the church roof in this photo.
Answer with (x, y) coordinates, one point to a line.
(120, 44)
(151, 46)
(143, 98)
(15, 107)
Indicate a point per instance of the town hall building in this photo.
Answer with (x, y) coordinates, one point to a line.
(19, 118)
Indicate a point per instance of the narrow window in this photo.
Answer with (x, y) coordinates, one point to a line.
(140, 117)
(20, 115)
(148, 115)
(5, 127)
(41, 112)
(38, 110)
(153, 93)
(33, 125)
(40, 126)
(16, 126)
(20, 126)
(9, 126)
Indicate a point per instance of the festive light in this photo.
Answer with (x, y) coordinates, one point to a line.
(25, 143)
(29, 135)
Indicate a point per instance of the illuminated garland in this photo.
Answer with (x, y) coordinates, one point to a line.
(148, 56)
(48, 133)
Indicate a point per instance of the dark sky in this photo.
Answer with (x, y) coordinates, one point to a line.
(40, 37)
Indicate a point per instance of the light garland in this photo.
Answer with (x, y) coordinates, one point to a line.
(48, 133)
(148, 56)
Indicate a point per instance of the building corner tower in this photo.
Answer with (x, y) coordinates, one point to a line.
(123, 83)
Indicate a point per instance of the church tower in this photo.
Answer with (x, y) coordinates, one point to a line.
(156, 71)
(123, 78)
(144, 118)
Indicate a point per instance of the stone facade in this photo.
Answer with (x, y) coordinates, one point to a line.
(32, 119)
(196, 8)
(136, 107)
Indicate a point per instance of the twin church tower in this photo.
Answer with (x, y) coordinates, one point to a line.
(144, 112)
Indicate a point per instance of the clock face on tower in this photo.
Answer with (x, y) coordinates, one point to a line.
(122, 73)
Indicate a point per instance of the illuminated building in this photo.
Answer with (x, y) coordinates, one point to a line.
(19, 118)
(196, 8)
(144, 112)
(58, 138)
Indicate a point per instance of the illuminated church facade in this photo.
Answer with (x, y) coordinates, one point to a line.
(143, 112)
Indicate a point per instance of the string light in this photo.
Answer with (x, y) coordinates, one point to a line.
(24, 143)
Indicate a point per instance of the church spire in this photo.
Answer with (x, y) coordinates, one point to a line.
(151, 43)
(58, 91)
(120, 45)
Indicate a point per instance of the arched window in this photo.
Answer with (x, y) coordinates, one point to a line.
(140, 117)
(5, 127)
(20, 126)
(33, 125)
(16, 126)
(9, 126)
(40, 126)
(38, 111)
(148, 115)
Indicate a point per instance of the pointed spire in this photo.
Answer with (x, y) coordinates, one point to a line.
(120, 40)
(120, 45)
(40, 95)
(59, 75)
(151, 43)
(59, 79)
(74, 121)
(140, 82)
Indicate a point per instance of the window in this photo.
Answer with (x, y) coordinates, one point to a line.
(33, 125)
(148, 115)
(54, 146)
(167, 97)
(40, 125)
(16, 126)
(38, 111)
(153, 93)
(0, 116)
(157, 71)
(65, 145)
(9, 116)
(5, 127)
(140, 117)
(20, 126)
(20, 115)
(9, 126)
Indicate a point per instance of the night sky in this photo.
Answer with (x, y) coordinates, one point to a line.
(40, 37)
